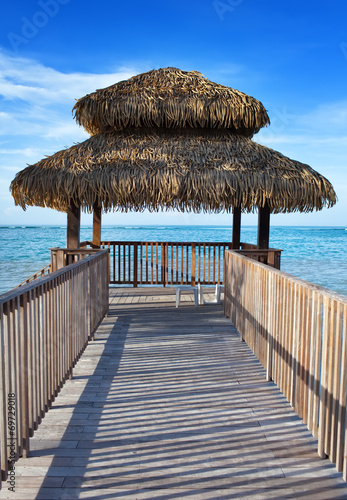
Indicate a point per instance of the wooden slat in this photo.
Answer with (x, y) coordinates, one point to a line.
(3, 392)
(330, 379)
(335, 383)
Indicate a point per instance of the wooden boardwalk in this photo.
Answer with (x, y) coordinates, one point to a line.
(167, 404)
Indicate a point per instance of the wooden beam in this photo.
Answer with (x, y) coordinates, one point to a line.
(236, 228)
(97, 225)
(73, 226)
(263, 226)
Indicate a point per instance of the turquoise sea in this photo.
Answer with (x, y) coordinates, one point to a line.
(316, 254)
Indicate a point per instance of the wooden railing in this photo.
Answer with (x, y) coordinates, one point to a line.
(165, 263)
(42, 272)
(174, 263)
(299, 333)
(61, 257)
(45, 326)
(269, 256)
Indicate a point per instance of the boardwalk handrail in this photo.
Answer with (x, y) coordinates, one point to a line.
(165, 262)
(42, 272)
(45, 326)
(174, 263)
(299, 333)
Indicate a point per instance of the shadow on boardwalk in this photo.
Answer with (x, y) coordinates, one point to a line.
(166, 404)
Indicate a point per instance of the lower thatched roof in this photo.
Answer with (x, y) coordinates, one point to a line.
(188, 170)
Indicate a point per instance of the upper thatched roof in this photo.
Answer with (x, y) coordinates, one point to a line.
(191, 170)
(170, 98)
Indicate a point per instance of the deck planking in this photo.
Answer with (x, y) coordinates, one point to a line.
(167, 403)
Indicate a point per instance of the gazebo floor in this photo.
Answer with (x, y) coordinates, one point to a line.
(167, 403)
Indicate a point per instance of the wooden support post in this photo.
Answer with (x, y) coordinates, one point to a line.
(236, 228)
(263, 226)
(96, 225)
(73, 226)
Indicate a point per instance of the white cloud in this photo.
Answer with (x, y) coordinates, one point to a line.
(37, 100)
(27, 152)
(36, 84)
(329, 116)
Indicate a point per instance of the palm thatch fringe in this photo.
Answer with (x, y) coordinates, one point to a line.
(187, 170)
(170, 98)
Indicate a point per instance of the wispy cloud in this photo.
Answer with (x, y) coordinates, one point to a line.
(35, 113)
(328, 116)
(35, 83)
(36, 100)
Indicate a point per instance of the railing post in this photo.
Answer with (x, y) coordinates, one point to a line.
(270, 318)
(164, 262)
(57, 258)
(193, 265)
(135, 265)
(277, 260)
(23, 368)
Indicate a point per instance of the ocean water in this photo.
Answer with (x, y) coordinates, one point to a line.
(316, 254)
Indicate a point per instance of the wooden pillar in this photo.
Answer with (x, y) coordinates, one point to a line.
(236, 228)
(97, 225)
(263, 226)
(73, 226)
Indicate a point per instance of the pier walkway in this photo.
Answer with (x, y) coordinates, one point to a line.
(167, 404)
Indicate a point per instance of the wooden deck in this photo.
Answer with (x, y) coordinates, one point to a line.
(167, 404)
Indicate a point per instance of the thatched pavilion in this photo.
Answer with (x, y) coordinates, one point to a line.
(170, 139)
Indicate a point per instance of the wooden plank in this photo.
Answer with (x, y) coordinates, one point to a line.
(156, 264)
(23, 367)
(141, 263)
(193, 266)
(187, 264)
(209, 264)
(336, 378)
(198, 274)
(181, 264)
(3, 393)
(341, 461)
(177, 267)
(295, 347)
(307, 352)
(270, 316)
(135, 264)
(326, 350)
(130, 260)
(220, 262)
(152, 263)
(330, 378)
(313, 360)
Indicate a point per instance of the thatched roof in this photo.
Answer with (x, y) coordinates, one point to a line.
(190, 170)
(170, 98)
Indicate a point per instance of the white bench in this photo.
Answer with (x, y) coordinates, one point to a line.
(218, 290)
(189, 289)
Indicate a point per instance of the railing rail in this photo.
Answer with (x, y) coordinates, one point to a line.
(45, 326)
(42, 272)
(174, 263)
(299, 333)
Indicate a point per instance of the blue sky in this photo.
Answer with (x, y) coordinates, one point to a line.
(292, 56)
